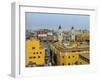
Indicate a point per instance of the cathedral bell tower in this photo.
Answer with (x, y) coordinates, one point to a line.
(60, 34)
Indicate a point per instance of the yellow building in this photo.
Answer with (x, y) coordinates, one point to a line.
(69, 56)
(82, 37)
(35, 54)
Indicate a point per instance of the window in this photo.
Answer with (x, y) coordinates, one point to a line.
(40, 52)
(73, 56)
(68, 63)
(37, 52)
(68, 56)
(34, 57)
(62, 63)
(62, 56)
(38, 56)
(76, 62)
(33, 52)
(33, 47)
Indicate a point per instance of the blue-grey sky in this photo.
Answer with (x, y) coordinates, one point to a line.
(52, 21)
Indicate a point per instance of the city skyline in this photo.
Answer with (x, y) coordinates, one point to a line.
(34, 21)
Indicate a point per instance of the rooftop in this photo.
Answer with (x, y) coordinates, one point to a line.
(77, 48)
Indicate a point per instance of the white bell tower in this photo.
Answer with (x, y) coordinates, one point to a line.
(60, 34)
(72, 34)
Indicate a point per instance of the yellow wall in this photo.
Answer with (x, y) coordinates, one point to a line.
(67, 58)
(34, 52)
